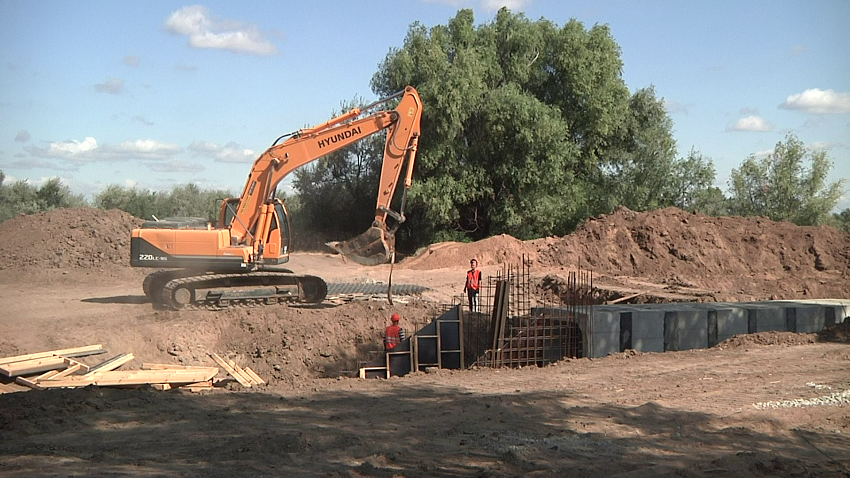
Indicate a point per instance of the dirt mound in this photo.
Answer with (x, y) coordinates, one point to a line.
(657, 242)
(503, 249)
(767, 338)
(836, 333)
(724, 258)
(78, 238)
(741, 258)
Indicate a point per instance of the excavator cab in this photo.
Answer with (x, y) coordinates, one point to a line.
(275, 236)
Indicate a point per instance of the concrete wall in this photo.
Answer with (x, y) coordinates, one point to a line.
(729, 321)
(602, 332)
(765, 317)
(685, 329)
(647, 329)
(684, 326)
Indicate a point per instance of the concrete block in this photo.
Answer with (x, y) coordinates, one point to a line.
(766, 317)
(731, 321)
(647, 329)
(685, 329)
(601, 331)
(806, 319)
(603, 343)
(605, 319)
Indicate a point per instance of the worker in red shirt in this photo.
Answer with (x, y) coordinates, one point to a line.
(473, 285)
(394, 334)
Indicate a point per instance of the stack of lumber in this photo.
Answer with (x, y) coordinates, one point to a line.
(59, 369)
(246, 377)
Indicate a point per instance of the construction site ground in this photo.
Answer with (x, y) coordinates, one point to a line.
(65, 282)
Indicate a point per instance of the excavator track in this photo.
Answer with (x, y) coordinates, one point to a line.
(182, 290)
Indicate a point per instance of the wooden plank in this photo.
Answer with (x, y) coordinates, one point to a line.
(32, 366)
(241, 372)
(47, 375)
(110, 364)
(165, 366)
(254, 377)
(27, 383)
(72, 352)
(72, 363)
(136, 377)
(628, 297)
(198, 386)
(8, 388)
(69, 371)
(230, 370)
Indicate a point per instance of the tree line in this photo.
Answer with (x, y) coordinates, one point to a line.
(528, 129)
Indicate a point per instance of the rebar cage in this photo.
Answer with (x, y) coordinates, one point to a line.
(519, 325)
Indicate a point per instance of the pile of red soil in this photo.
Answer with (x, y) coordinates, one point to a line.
(767, 338)
(78, 238)
(836, 333)
(750, 256)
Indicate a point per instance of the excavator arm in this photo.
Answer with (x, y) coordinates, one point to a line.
(376, 245)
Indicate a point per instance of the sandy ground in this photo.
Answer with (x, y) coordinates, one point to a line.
(688, 414)
(64, 282)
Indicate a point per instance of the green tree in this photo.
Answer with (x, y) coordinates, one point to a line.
(183, 200)
(139, 203)
(840, 220)
(689, 185)
(782, 187)
(526, 127)
(53, 194)
(24, 198)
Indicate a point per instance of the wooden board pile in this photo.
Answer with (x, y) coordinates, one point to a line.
(60, 369)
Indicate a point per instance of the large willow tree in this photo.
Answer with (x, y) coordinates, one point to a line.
(528, 127)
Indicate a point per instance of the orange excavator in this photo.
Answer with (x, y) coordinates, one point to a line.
(239, 260)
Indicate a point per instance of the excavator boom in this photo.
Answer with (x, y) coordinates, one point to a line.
(376, 245)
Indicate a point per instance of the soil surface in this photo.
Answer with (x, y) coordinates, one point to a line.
(772, 404)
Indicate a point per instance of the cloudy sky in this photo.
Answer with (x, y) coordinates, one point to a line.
(154, 94)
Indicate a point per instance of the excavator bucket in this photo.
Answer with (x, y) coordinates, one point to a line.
(373, 247)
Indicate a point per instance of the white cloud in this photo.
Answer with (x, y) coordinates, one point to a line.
(751, 123)
(675, 107)
(763, 153)
(229, 153)
(23, 136)
(71, 148)
(131, 60)
(818, 102)
(513, 5)
(112, 86)
(176, 167)
(89, 150)
(205, 31)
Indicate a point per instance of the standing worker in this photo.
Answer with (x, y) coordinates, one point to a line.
(473, 285)
(394, 334)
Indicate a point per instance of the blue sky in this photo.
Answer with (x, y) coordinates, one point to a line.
(155, 94)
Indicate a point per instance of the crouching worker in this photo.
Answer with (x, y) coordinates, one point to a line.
(394, 334)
